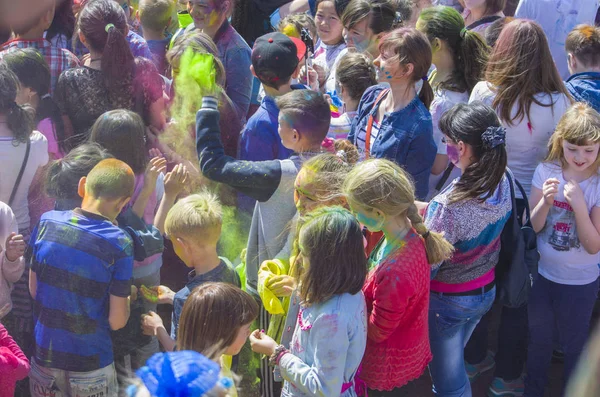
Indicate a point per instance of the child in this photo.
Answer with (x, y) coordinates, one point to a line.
(565, 198)
(382, 197)
(211, 17)
(155, 16)
(293, 24)
(12, 248)
(480, 14)
(80, 280)
(32, 36)
(14, 365)
(459, 57)
(331, 41)
(583, 50)
(471, 212)
(194, 227)
(394, 123)
(355, 73)
(557, 18)
(303, 124)
(275, 59)
(215, 321)
(331, 330)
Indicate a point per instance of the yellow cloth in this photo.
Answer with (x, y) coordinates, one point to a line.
(226, 373)
(268, 270)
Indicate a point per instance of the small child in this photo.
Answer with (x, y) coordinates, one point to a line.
(382, 197)
(155, 17)
(583, 50)
(354, 74)
(80, 280)
(14, 365)
(331, 329)
(12, 265)
(565, 197)
(331, 41)
(194, 227)
(215, 321)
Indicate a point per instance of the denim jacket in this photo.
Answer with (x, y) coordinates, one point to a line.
(405, 137)
(326, 349)
(585, 87)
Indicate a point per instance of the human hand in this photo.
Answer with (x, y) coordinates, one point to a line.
(151, 323)
(281, 285)
(309, 77)
(549, 190)
(574, 195)
(134, 293)
(159, 294)
(155, 153)
(175, 180)
(15, 247)
(262, 343)
(155, 167)
(321, 73)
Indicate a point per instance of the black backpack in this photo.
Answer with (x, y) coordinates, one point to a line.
(519, 257)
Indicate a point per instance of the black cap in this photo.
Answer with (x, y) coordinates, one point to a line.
(275, 56)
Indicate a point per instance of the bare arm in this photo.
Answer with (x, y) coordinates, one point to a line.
(32, 284)
(541, 201)
(440, 164)
(118, 312)
(588, 225)
(293, 7)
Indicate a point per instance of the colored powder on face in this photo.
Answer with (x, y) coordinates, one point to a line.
(213, 17)
(453, 154)
(362, 46)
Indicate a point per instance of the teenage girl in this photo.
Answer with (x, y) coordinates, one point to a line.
(215, 321)
(331, 331)
(459, 57)
(480, 14)
(471, 212)
(565, 197)
(394, 122)
(382, 197)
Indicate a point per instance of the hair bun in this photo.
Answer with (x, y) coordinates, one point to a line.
(493, 136)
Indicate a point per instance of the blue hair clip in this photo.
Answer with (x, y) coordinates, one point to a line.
(179, 374)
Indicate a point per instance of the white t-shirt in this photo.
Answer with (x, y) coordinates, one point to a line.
(12, 157)
(563, 258)
(443, 100)
(526, 140)
(330, 83)
(557, 18)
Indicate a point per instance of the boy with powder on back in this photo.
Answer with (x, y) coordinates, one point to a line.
(155, 17)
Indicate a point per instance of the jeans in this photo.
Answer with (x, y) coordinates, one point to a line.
(452, 319)
(46, 382)
(512, 343)
(553, 306)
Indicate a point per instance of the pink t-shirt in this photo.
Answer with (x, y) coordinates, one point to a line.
(46, 127)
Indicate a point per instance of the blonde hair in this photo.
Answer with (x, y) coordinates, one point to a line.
(382, 185)
(155, 14)
(580, 125)
(292, 25)
(194, 216)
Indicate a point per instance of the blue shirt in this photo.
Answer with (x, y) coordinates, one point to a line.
(585, 87)
(158, 48)
(80, 259)
(138, 45)
(405, 137)
(224, 273)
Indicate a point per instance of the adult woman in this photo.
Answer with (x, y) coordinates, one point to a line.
(471, 213)
(459, 57)
(394, 123)
(114, 79)
(480, 14)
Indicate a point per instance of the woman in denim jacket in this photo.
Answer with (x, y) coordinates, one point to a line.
(331, 329)
(395, 123)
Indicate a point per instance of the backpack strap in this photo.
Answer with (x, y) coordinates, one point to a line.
(380, 97)
(21, 171)
(445, 177)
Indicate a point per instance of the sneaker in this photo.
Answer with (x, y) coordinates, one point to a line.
(475, 370)
(500, 387)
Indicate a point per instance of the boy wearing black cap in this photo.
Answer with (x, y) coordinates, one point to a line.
(275, 59)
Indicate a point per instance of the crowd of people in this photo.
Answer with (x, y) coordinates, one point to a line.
(321, 205)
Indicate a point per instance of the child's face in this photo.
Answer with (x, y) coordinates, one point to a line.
(239, 341)
(371, 219)
(388, 67)
(306, 194)
(329, 26)
(579, 158)
(287, 133)
(204, 13)
(361, 38)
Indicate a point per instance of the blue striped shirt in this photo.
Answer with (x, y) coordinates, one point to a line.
(80, 259)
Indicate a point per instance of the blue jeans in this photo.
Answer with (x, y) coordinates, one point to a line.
(553, 306)
(452, 320)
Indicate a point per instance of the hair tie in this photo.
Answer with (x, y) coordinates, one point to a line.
(45, 96)
(463, 32)
(108, 27)
(397, 18)
(493, 136)
(426, 234)
(424, 78)
(342, 155)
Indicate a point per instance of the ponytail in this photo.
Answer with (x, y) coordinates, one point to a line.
(471, 58)
(438, 249)
(20, 120)
(426, 93)
(117, 59)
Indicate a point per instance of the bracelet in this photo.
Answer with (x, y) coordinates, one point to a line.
(276, 356)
